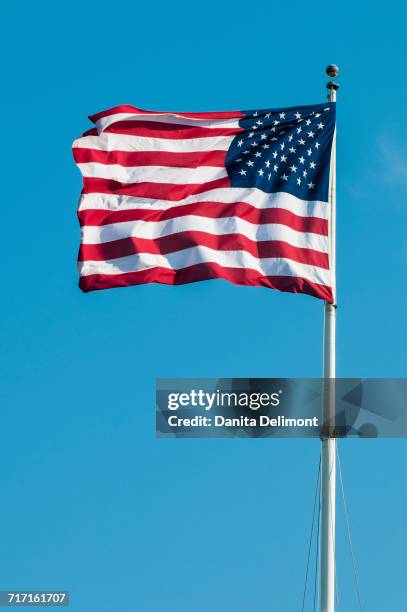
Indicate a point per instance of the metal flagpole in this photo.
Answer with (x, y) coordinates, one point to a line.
(328, 444)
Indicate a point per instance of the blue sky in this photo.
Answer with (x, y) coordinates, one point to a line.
(92, 502)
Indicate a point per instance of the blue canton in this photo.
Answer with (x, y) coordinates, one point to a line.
(287, 149)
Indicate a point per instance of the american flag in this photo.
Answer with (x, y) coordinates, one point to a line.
(181, 197)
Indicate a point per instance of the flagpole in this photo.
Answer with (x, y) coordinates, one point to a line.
(328, 444)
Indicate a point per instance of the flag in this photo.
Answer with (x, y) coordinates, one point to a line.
(182, 197)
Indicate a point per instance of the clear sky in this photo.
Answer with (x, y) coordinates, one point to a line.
(91, 501)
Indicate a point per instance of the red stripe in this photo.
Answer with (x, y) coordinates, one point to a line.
(210, 210)
(188, 239)
(157, 191)
(151, 158)
(200, 272)
(175, 131)
(91, 132)
(127, 108)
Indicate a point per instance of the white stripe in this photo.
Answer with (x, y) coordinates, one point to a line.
(124, 142)
(195, 255)
(105, 122)
(227, 195)
(219, 227)
(153, 174)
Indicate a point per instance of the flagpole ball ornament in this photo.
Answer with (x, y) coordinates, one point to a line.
(332, 70)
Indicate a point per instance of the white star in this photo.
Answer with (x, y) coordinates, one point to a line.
(261, 172)
(269, 176)
(258, 154)
(304, 174)
(298, 181)
(275, 168)
(239, 144)
(254, 144)
(299, 130)
(311, 134)
(297, 115)
(268, 115)
(320, 126)
(256, 114)
(292, 150)
(317, 115)
(301, 141)
(317, 145)
(243, 172)
(246, 152)
(313, 165)
(275, 154)
(263, 137)
(309, 151)
(259, 122)
(250, 163)
(273, 129)
(302, 160)
(255, 127)
(282, 146)
(276, 122)
(311, 185)
(293, 168)
(238, 160)
(308, 121)
(284, 177)
(282, 115)
(266, 146)
(283, 158)
(290, 137)
(274, 138)
(251, 134)
(268, 163)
